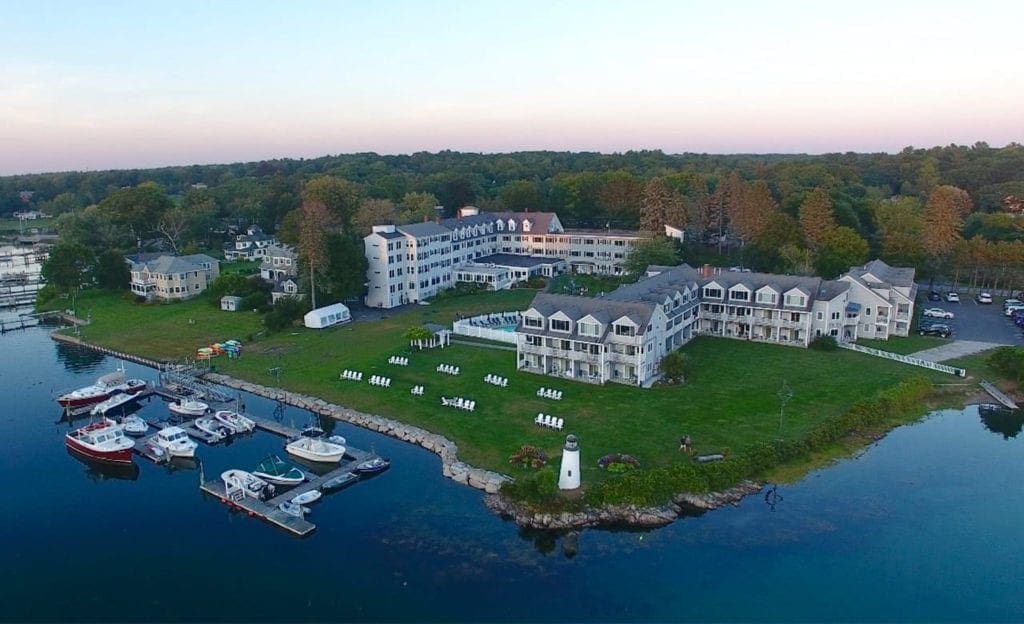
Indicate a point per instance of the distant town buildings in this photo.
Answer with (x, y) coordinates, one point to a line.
(622, 336)
(410, 263)
(30, 215)
(170, 278)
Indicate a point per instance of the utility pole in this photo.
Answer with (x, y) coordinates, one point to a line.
(785, 394)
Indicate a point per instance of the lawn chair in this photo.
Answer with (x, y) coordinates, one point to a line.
(472, 406)
(539, 419)
(387, 382)
(540, 392)
(558, 423)
(504, 382)
(359, 376)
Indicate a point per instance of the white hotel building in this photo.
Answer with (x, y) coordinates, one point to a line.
(623, 336)
(411, 263)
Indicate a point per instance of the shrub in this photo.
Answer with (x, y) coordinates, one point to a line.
(537, 283)
(1008, 362)
(528, 457)
(824, 343)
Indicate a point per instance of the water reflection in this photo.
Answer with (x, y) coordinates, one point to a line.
(77, 359)
(1005, 422)
(101, 471)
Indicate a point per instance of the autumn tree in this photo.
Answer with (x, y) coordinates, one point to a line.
(317, 224)
(755, 211)
(657, 204)
(944, 214)
(373, 212)
(816, 218)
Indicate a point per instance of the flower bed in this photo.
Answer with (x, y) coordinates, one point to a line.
(528, 457)
(618, 462)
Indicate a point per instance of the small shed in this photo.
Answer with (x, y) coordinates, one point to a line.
(327, 316)
(230, 303)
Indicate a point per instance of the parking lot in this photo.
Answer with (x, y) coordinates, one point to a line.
(977, 322)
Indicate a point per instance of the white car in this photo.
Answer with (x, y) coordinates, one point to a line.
(937, 313)
(1012, 303)
(953, 297)
(984, 298)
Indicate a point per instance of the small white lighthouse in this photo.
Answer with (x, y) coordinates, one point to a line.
(569, 476)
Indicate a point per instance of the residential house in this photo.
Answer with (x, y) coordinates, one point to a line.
(171, 278)
(249, 246)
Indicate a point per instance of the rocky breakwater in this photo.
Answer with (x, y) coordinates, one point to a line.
(610, 516)
(447, 450)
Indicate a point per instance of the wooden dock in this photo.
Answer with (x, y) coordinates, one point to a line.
(996, 394)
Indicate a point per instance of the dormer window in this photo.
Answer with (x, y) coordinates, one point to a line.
(712, 292)
(766, 296)
(559, 325)
(739, 295)
(587, 328)
(534, 322)
(796, 300)
(527, 225)
(511, 225)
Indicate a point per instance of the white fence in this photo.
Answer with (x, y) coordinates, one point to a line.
(906, 359)
(485, 326)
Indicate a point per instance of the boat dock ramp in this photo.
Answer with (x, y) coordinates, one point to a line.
(267, 510)
(998, 395)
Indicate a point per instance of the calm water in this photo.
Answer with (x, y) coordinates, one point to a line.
(923, 526)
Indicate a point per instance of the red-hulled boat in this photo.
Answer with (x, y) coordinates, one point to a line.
(103, 440)
(103, 389)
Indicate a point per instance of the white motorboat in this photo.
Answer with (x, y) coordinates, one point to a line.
(306, 498)
(278, 471)
(293, 509)
(134, 426)
(188, 407)
(175, 442)
(116, 399)
(213, 428)
(250, 484)
(314, 449)
(337, 439)
(236, 421)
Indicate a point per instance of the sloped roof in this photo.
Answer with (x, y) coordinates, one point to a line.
(174, 264)
(575, 308)
(902, 277)
(422, 229)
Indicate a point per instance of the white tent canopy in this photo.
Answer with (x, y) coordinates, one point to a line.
(327, 316)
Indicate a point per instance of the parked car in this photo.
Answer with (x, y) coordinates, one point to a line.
(1011, 303)
(938, 329)
(984, 297)
(938, 313)
(1009, 310)
(934, 296)
(953, 297)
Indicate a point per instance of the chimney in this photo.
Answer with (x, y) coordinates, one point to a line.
(706, 273)
(458, 214)
(437, 219)
(426, 218)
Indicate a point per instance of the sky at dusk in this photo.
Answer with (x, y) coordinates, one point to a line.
(97, 85)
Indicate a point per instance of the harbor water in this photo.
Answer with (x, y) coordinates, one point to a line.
(922, 526)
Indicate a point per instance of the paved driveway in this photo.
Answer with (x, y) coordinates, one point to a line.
(980, 323)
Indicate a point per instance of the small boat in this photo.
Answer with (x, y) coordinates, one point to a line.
(117, 399)
(105, 387)
(188, 407)
(306, 498)
(293, 509)
(312, 432)
(103, 441)
(213, 428)
(372, 466)
(337, 439)
(175, 442)
(336, 483)
(134, 426)
(250, 484)
(236, 421)
(315, 449)
(276, 470)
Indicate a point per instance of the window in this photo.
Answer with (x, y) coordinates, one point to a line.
(713, 293)
(796, 300)
(587, 329)
(821, 316)
(558, 325)
(766, 297)
(739, 295)
(625, 330)
(867, 311)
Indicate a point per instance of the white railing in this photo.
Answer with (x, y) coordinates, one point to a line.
(483, 326)
(906, 359)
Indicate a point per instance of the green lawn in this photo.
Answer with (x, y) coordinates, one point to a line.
(586, 285)
(15, 225)
(730, 399)
(905, 344)
(240, 266)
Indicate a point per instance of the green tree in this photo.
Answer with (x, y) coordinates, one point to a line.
(659, 205)
(138, 209)
(675, 366)
(67, 267)
(414, 207)
(344, 276)
(659, 250)
(900, 224)
(317, 225)
(62, 204)
(841, 249)
(338, 196)
(521, 195)
(110, 271)
(373, 212)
